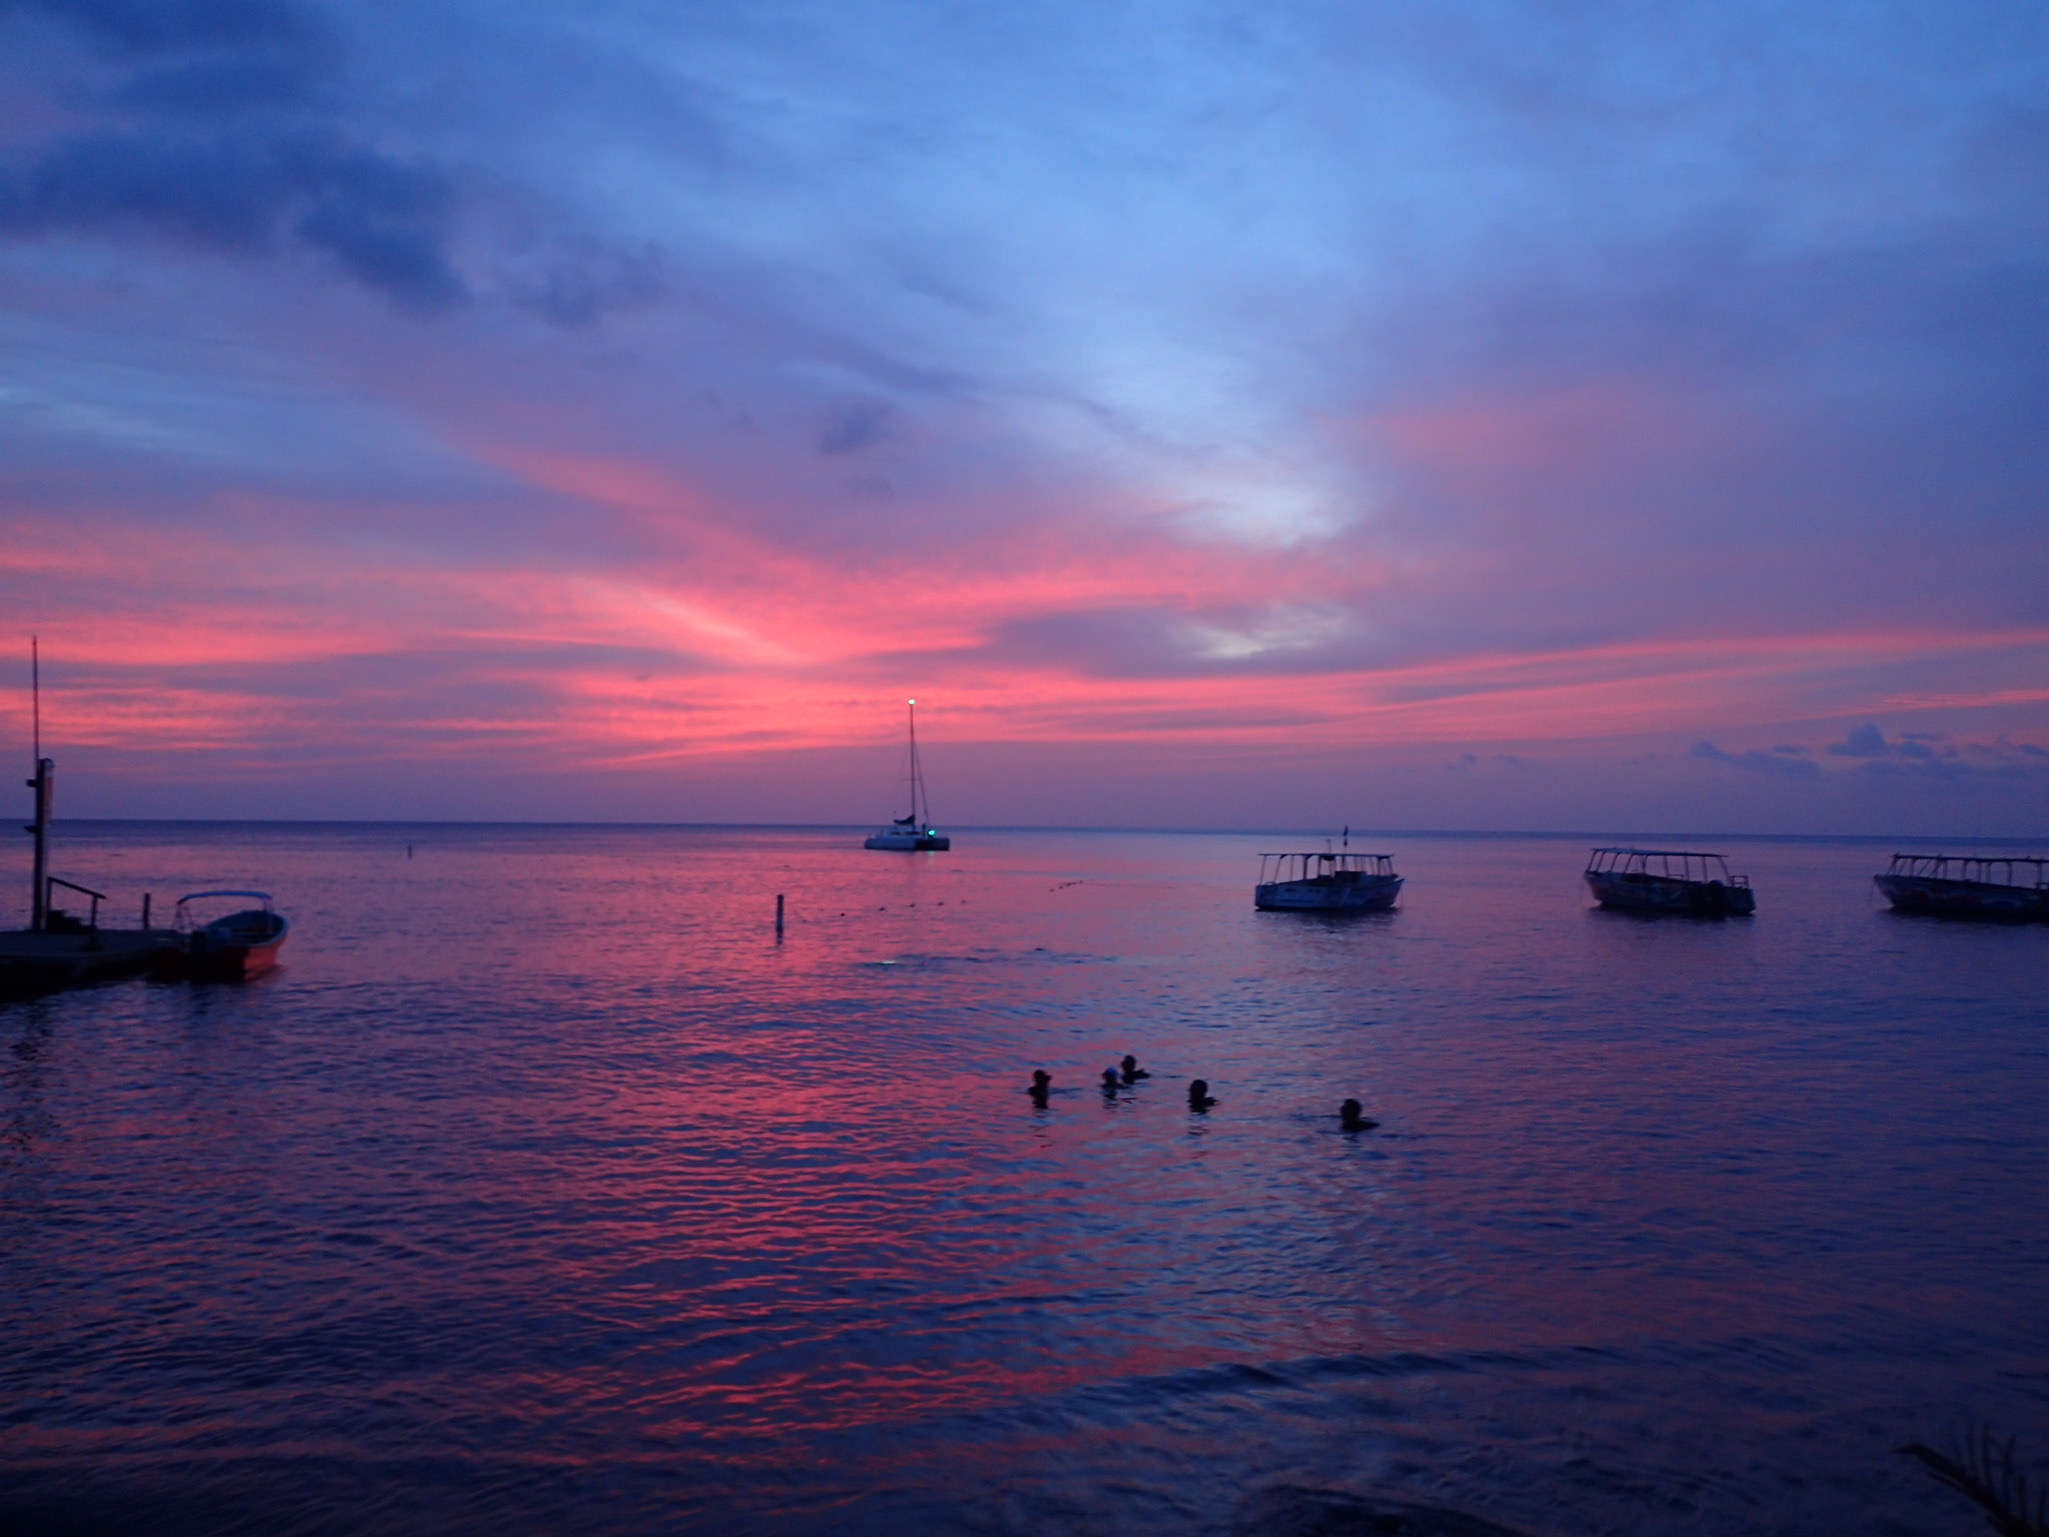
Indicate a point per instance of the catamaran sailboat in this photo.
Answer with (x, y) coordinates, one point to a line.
(914, 833)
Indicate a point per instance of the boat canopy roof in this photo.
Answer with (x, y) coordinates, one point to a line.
(1310, 865)
(1667, 864)
(1659, 853)
(1348, 854)
(2013, 869)
(261, 896)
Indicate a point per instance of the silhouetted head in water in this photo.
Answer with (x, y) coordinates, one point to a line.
(1132, 1071)
(1109, 1080)
(1198, 1095)
(1042, 1083)
(1352, 1117)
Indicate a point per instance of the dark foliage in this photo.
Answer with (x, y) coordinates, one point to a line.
(1983, 1472)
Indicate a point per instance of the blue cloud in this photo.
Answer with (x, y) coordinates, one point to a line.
(209, 141)
(1867, 741)
(1779, 762)
(855, 426)
(385, 222)
(147, 28)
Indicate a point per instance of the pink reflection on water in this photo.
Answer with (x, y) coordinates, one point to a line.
(605, 1177)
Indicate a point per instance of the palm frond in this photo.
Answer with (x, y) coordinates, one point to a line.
(1982, 1470)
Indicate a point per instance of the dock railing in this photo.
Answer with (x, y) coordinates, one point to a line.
(51, 883)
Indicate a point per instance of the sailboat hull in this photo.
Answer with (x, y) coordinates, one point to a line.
(909, 843)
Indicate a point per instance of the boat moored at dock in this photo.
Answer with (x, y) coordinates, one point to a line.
(2009, 889)
(232, 947)
(1668, 881)
(1326, 883)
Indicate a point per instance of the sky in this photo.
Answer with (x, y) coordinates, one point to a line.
(1436, 415)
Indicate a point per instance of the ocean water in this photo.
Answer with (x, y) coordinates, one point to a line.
(544, 1189)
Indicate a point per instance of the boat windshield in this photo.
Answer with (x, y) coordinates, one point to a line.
(1663, 864)
(2028, 873)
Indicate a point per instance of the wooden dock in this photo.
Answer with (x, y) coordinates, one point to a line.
(61, 949)
(35, 962)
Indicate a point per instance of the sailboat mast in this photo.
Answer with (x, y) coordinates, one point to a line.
(917, 780)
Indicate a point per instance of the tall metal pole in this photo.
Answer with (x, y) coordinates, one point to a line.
(43, 784)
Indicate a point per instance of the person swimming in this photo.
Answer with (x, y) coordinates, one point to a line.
(1109, 1083)
(1198, 1095)
(1132, 1071)
(1042, 1085)
(1352, 1117)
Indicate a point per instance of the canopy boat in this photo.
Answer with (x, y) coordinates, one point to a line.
(233, 946)
(2013, 889)
(1668, 881)
(1326, 883)
(913, 833)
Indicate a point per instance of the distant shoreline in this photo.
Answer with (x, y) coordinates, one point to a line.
(1359, 836)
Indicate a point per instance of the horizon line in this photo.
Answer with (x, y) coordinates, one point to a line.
(1574, 835)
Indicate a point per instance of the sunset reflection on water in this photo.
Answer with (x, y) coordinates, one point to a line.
(542, 1188)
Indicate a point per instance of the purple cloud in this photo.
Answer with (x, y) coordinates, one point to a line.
(1779, 762)
(1867, 741)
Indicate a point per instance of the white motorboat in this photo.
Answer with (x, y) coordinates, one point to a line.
(914, 833)
(1326, 883)
(234, 946)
